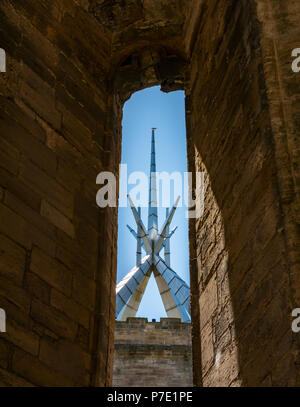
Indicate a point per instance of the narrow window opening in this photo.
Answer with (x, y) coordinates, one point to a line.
(152, 306)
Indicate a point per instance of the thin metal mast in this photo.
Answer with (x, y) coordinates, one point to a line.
(152, 209)
(139, 242)
(167, 251)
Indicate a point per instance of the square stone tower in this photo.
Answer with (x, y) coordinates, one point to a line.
(152, 353)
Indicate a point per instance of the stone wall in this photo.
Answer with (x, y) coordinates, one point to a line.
(71, 64)
(243, 255)
(152, 353)
(54, 141)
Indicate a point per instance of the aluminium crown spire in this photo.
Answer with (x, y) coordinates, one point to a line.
(174, 292)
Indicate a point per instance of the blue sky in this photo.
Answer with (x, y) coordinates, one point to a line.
(144, 110)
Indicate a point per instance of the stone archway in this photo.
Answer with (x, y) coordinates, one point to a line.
(70, 67)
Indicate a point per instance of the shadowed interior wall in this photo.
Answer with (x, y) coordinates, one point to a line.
(71, 66)
(55, 287)
(236, 119)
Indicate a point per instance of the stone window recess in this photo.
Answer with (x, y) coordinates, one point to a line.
(2, 60)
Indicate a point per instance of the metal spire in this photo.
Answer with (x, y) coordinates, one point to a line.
(174, 291)
(167, 243)
(139, 242)
(152, 209)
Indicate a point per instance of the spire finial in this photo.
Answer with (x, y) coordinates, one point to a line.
(152, 209)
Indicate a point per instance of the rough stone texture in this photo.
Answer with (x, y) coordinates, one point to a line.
(152, 353)
(54, 142)
(71, 65)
